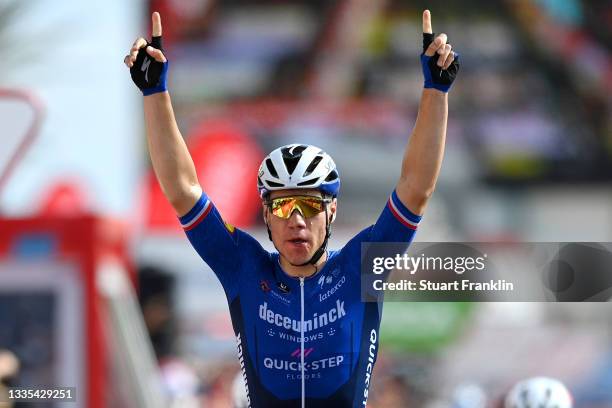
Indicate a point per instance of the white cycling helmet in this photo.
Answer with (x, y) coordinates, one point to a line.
(539, 392)
(298, 166)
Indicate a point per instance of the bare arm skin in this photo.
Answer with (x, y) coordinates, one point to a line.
(171, 160)
(425, 149)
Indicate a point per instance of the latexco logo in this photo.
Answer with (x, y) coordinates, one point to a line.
(332, 290)
(317, 321)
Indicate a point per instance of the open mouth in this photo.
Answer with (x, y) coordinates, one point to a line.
(298, 241)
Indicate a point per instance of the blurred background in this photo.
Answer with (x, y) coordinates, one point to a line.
(99, 287)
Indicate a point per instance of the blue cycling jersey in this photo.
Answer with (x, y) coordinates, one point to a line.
(281, 321)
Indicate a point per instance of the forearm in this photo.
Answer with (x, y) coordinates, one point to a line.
(425, 150)
(171, 160)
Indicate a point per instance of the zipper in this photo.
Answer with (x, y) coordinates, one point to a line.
(302, 340)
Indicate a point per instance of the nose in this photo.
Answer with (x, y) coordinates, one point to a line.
(297, 220)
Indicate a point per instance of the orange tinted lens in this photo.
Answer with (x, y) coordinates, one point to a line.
(310, 206)
(283, 207)
(307, 206)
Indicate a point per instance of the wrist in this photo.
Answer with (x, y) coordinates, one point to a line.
(154, 91)
(434, 93)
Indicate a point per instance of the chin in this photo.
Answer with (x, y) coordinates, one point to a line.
(297, 258)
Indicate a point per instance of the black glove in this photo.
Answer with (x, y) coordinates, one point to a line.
(148, 74)
(435, 76)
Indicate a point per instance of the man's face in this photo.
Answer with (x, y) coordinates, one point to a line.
(297, 238)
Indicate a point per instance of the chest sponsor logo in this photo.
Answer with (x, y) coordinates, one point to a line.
(370, 366)
(280, 297)
(265, 287)
(332, 290)
(316, 322)
(243, 367)
(283, 287)
(325, 280)
(296, 338)
(296, 365)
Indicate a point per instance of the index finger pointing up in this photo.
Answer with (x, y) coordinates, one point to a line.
(427, 22)
(157, 27)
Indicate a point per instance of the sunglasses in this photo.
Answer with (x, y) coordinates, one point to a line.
(308, 206)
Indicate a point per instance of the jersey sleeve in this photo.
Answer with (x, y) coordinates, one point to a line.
(219, 244)
(396, 223)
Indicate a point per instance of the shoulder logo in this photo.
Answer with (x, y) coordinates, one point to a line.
(229, 227)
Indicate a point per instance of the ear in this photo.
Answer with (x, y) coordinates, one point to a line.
(333, 207)
(264, 213)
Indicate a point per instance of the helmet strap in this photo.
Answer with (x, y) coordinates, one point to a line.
(269, 233)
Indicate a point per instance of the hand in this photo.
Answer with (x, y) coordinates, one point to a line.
(440, 64)
(147, 63)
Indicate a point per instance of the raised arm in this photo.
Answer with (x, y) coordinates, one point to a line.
(171, 160)
(425, 149)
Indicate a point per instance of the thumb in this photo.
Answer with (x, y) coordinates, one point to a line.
(156, 54)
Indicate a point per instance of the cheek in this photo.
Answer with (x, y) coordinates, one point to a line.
(318, 225)
(275, 225)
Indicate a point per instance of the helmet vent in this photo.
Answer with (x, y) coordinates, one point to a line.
(271, 168)
(291, 156)
(291, 163)
(312, 166)
(308, 182)
(293, 150)
(273, 184)
(333, 175)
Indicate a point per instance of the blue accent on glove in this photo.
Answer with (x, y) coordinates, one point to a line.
(426, 63)
(161, 85)
(436, 77)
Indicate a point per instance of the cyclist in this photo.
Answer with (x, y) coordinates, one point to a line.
(304, 336)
